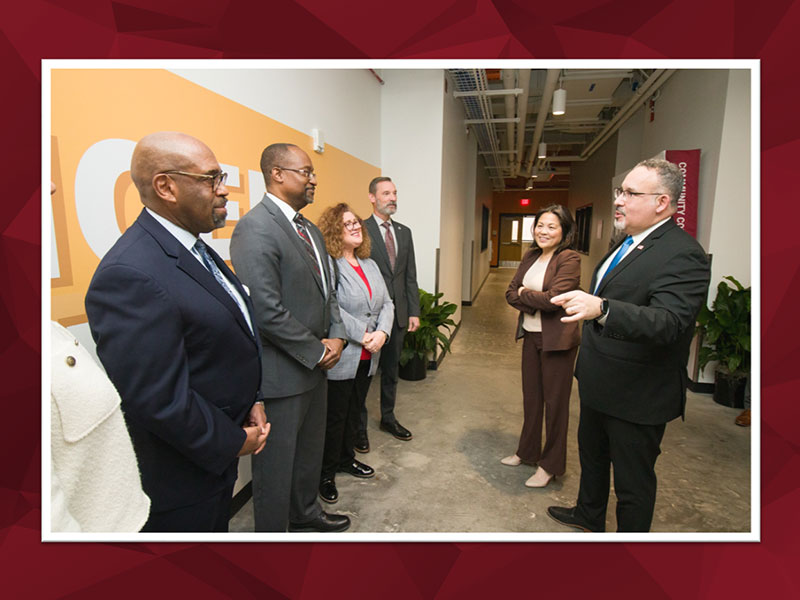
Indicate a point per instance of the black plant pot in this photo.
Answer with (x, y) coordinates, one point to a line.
(729, 388)
(414, 370)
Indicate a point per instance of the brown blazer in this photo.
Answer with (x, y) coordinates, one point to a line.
(563, 274)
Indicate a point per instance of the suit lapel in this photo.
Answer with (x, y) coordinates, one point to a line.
(294, 239)
(347, 270)
(382, 257)
(192, 267)
(637, 251)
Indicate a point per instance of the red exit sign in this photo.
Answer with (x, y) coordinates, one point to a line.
(524, 201)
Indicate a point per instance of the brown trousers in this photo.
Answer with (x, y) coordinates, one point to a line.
(546, 387)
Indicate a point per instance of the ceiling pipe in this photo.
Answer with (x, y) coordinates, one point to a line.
(653, 83)
(544, 110)
(524, 78)
(509, 79)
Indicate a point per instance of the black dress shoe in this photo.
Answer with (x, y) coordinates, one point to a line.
(362, 442)
(357, 469)
(397, 430)
(328, 491)
(324, 523)
(566, 516)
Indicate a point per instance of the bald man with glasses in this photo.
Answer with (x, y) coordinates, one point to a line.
(175, 332)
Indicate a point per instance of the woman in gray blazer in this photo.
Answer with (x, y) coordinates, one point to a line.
(367, 313)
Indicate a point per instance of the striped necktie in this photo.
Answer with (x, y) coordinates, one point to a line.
(299, 222)
(202, 250)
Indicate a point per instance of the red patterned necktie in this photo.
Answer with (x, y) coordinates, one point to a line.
(390, 249)
(303, 233)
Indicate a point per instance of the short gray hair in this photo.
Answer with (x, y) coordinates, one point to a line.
(373, 185)
(669, 175)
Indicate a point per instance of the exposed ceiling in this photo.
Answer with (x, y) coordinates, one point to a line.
(510, 113)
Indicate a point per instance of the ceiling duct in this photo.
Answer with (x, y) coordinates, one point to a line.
(471, 86)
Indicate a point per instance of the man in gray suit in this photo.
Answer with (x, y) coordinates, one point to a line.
(393, 250)
(281, 257)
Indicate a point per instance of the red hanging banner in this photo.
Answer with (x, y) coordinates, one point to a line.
(688, 162)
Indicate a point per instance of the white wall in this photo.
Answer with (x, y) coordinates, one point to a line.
(710, 110)
(481, 260)
(343, 103)
(590, 183)
(705, 109)
(459, 160)
(730, 223)
(689, 115)
(411, 154)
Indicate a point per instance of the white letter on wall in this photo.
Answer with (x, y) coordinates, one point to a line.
(97, 174)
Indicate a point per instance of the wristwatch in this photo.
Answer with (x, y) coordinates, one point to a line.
(603, 309)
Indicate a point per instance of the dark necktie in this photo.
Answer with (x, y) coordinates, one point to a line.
(303, 233)
(615, 261)
(390, 249)
(202, 250)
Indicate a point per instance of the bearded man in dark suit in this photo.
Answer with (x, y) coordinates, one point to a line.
(393, 251)
(631, 370)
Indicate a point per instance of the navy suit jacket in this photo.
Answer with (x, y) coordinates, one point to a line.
(634, 367)
(180, 353)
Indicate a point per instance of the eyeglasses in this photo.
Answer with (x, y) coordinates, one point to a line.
(352, 225)
(304, 172)
(628, 193)
(217, 179)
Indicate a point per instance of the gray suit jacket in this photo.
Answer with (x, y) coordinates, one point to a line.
(360, 313)
(292, 311)
(402, 281)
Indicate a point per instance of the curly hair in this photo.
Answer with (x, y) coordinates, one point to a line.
(331, 225)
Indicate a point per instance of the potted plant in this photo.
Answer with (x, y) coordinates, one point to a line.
(418, 344)
(725, 331)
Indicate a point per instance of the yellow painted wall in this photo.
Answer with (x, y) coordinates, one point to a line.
(92, 105)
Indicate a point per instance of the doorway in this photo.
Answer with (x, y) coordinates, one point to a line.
(515, 236)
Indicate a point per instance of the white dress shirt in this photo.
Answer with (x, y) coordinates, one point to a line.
(187, 240)
(290, 213)
(382, 229)
(637, 239)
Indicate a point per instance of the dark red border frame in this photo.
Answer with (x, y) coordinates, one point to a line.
(413, 29)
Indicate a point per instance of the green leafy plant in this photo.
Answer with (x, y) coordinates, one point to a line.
(432, 316)
(726, 328)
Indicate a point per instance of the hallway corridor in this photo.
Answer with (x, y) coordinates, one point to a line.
(467, 415)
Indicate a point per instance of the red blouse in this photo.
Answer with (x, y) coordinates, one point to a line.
(365, 354)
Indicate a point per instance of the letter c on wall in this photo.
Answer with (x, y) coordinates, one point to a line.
(97, 174)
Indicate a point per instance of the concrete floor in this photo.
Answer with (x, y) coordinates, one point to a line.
(467, 415)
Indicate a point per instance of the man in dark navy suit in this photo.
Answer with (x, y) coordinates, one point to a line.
(174, 331)
(631, 371)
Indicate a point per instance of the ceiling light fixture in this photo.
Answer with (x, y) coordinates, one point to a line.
(560, 97)
(542, 150)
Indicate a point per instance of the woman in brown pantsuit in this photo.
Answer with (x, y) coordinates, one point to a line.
(549, 346)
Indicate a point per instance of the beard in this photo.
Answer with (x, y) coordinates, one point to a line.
(388, 210)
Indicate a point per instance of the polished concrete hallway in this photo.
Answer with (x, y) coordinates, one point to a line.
(467, 415)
